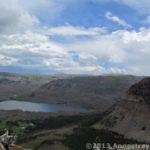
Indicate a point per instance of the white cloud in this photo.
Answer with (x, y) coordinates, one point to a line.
(116, 19)
(118, 52)
(36, 50)
(14, 17)
(5, 60)
(142, 36)
(69, 30)
(32, 49)
(129, 50)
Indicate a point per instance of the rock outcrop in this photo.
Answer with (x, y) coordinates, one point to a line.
(7, 142)
(140, 91)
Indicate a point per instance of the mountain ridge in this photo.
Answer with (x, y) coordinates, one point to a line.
(130, 116)
(94, 92)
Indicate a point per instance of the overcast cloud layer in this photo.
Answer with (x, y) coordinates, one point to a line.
(40, 35)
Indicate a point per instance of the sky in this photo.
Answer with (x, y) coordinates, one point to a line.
(93, 37)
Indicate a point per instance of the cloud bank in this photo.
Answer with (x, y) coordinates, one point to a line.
(25, 41)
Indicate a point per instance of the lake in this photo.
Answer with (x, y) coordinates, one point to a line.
(39, 107)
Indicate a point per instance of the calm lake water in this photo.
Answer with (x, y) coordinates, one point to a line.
(39, 107)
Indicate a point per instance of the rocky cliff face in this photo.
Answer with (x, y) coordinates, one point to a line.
(140, 91)
(131, 116)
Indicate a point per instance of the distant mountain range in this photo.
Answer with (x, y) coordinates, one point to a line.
(96, 92)
(15, 85)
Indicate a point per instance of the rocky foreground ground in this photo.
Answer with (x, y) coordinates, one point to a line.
(7, 142)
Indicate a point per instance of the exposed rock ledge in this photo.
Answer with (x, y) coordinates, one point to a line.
(7, 142)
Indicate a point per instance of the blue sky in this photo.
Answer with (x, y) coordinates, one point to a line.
(75, 36)
(89, 14)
